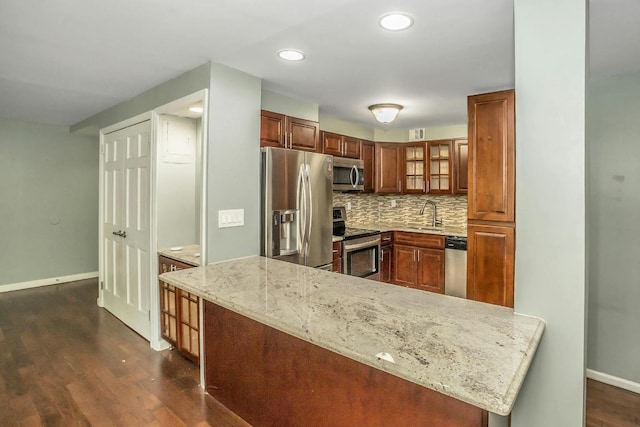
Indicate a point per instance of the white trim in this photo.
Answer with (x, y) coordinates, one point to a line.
(143, 117)
(47, 282)
(614, 381)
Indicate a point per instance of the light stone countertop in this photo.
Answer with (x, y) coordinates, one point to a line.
(189, 254)
(386, 226)
(337, 239)
(475, 352)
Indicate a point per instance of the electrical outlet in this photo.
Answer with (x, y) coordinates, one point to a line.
(348, 206)
(393, 204)
(231, 218)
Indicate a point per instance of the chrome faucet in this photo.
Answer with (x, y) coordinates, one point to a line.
(434, 222)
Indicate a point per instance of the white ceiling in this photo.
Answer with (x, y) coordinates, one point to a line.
(62, 61)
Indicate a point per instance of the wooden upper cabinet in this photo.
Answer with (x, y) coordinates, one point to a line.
(351, 147)
(490, 264)
(272, 128)
(340, 145)
(278, 130)
(460, 166)
(439, 160)
(303, 134)
(492, 156)
(389, 170)
(331, 143)
(367, 154)
(415, 168)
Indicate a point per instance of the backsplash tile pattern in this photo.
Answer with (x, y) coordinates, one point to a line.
(374, 208)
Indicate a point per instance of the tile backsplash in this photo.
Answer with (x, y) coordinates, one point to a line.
(374, 208)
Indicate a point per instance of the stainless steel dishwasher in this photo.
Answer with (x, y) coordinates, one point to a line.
(455, 266)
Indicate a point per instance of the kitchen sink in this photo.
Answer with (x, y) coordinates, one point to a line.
(429, 228)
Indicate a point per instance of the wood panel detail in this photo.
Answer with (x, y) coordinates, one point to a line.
(271, 129)
(367, 155)
(270, 378)
(490, 264)
(492, 156)
(461, 166)
(389, 167)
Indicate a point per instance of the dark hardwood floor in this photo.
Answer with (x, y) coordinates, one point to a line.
(609, 406)
(66, 362)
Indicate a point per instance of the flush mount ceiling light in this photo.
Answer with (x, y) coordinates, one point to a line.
(291, 55)
(395, 21)
(385, 113)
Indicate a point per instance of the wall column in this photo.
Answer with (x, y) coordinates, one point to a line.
(550, 282)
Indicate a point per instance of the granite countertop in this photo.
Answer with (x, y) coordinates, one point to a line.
(189, 254)
(475, 352)
(412, 228)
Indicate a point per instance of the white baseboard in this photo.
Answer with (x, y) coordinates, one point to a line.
(614, 381)
(47, 282)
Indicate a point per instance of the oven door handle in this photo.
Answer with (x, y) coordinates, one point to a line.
(369, 244)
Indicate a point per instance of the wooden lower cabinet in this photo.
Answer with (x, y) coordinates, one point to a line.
(386, 257)
(179, 313)
(419, 261)
(431, 270)
(270, 378)
(337, 257)
(490, 263)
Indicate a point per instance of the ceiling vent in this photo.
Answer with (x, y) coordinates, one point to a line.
(417, 134)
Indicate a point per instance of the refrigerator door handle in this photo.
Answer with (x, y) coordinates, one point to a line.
(310, 206)
(302, 209)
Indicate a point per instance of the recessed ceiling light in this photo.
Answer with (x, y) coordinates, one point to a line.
(291, 55)
(395, 21)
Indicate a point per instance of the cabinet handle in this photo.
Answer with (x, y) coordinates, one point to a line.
(414, 255)
(418, 256)
(427, 182)
(290, 139)
(399, 185)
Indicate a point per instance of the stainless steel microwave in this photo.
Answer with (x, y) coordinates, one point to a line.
(348, 174)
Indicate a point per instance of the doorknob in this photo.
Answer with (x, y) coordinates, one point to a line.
(120, 233)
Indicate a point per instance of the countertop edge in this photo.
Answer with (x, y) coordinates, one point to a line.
(501, 405)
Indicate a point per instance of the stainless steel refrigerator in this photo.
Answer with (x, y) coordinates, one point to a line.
(297, 196)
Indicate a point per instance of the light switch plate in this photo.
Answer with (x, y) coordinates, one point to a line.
(231, 218)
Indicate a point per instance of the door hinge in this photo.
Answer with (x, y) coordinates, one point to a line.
(101, 148)
(149, 315)
(102, 285)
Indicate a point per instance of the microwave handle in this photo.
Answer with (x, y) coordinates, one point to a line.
(353, 182)
(357, 175)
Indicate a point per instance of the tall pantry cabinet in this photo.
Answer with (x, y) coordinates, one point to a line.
(491, 200)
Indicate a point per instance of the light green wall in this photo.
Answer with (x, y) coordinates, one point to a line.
(335, 125)
(184, 84)
(278, 103)
(550, 282)
(390, 135)
(431, 133)
(49, 206)
(234, 162)
(614, 228)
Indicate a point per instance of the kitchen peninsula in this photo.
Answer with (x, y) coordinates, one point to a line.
(473, 355)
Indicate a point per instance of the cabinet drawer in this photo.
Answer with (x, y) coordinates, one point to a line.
(419, 239)
(386, 238)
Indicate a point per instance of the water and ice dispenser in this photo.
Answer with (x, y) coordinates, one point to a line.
(285, 232)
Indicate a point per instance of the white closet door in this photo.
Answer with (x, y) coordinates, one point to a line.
(126, 225)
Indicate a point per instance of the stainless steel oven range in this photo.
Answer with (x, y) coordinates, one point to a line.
(360, 248)
(361, 255)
